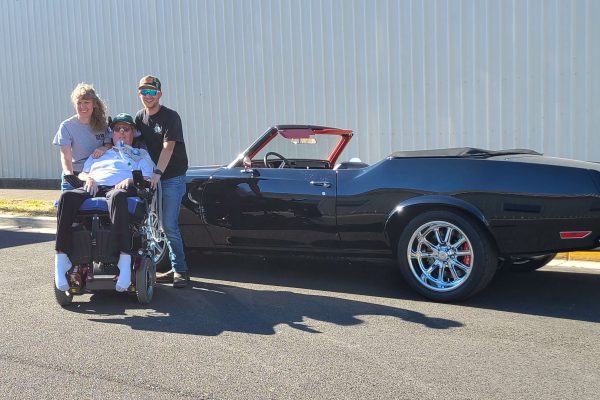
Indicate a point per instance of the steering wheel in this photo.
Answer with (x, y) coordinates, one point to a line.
(282, 158)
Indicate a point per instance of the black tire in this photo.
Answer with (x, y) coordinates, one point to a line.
(528, 264)
(460, 262)
(64, 299)
(145, 280)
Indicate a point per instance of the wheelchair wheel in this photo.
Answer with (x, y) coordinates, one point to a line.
(160, 255)
(157, 243)
(145, 280)
(62, 298)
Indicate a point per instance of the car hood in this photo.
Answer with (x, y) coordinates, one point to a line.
(202, 171)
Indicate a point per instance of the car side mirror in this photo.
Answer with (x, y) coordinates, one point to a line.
(247, 164)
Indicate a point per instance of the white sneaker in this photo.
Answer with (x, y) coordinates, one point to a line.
(124, 280)
(62, 265)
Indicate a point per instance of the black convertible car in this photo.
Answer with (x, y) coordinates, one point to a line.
(449, 217)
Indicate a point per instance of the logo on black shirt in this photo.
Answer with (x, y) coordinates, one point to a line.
(157, 129)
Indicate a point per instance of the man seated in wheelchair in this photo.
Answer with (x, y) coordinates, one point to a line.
(111, 177)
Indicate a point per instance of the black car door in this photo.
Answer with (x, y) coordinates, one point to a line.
(272, 208)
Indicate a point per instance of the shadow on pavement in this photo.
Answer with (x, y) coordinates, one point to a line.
(564, 293)
(210, 309)
(379, 278)
(550, 293)
(14, 238)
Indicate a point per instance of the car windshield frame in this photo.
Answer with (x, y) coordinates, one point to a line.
(295, 132)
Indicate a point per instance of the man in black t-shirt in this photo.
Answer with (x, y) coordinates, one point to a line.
(162, 133)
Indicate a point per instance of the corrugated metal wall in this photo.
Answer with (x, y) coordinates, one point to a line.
(401, 74)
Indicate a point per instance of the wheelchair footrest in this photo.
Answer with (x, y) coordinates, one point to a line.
(101, 282)
(105, 269)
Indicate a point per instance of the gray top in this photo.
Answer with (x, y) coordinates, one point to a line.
(82, 140)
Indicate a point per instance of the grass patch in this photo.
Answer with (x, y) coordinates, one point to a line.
(33, 208)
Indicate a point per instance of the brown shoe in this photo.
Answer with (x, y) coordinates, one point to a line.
(180, 280)
(165, 277)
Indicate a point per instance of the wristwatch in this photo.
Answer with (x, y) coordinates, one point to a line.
(157, 171)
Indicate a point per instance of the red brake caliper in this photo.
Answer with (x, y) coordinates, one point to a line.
(466, 259)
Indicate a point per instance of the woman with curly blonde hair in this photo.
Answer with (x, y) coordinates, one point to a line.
(85, 133)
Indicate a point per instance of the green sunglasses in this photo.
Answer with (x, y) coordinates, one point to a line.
(151, 92)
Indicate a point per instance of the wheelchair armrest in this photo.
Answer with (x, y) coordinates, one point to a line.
(143, 187)
(145, 193)
(74, 181)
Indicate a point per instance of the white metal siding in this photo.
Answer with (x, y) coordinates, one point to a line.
(401, 74)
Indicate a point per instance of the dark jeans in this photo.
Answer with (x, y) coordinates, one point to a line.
(69, 204)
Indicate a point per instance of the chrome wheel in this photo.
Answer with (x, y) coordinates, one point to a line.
(440, 256)
(157, 243)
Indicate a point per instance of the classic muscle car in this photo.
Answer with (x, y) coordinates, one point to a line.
(449, 217)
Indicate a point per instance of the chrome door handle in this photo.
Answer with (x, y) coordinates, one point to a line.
(324, 184)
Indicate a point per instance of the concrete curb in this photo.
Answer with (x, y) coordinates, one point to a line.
(27, 222)
(579, 256)
(564, 263)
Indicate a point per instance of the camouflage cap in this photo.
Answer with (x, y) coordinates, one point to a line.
(149, 82)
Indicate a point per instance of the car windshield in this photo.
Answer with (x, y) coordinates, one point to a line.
(315, 147)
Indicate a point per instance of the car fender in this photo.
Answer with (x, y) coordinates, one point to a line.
(407, 209)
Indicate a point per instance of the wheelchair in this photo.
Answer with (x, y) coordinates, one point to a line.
(94, 256)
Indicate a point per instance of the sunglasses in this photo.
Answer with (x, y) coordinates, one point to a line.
(151, 92)
(122, 129)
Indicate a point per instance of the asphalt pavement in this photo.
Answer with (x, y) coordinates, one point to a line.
(291, 328)
(249, 328)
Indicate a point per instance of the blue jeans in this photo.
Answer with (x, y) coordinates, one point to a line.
(173, 190)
